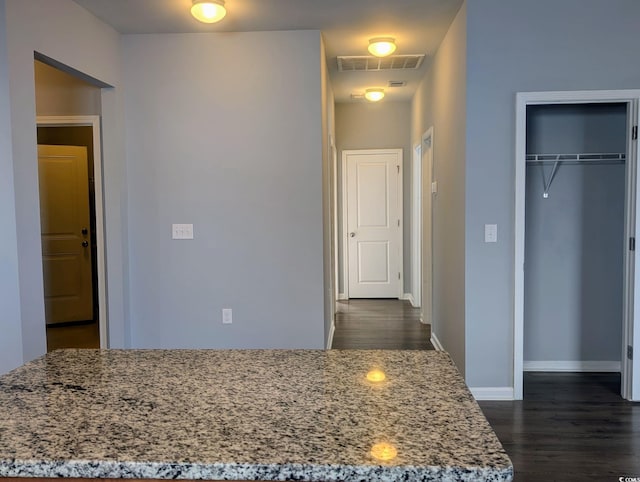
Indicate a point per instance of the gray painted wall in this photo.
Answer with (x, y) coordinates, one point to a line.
(10, 320)
(441, 102)
(234, 148)
(529, 46)
(381, 125)
(575, 238)
(62, 30)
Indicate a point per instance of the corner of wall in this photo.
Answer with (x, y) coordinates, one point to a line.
(11, 354)
(29, 29)
(328, 132)
(440, 102)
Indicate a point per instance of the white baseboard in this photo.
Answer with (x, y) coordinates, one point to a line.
(492, 393)
(342, 297)
(571, 366)
(408, 297)
(436, 343)
(332, 330)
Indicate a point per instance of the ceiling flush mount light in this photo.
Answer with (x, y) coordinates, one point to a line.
(208, 11)
(382, 46)
(374, 95)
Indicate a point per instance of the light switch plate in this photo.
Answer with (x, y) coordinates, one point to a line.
(490, 233)
(227, 316)
(182, 231)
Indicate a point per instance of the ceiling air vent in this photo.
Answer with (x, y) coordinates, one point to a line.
(363, 63)
(357, 96)
(397, 83)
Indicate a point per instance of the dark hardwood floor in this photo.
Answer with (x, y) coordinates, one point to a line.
(380, 324)
(570, 426)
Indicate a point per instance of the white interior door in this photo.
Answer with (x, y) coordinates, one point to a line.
(374, 223)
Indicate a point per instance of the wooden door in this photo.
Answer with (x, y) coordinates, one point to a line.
(374, 223)
(66, 243)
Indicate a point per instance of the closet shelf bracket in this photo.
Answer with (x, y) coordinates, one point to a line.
(547, 184)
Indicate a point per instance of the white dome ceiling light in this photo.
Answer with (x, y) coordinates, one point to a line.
(382, 46)
(374, 95)
(208, 11)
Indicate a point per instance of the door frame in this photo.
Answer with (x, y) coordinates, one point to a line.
(334, 214)
(631, 313)
(92, 121)
(344, 211)
(426, 255)
(416, 228)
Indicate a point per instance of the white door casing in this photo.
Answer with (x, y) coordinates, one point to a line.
(416, 229)
(631, 328)
(336, 241)
(374, 223)
(426, 256)
(630, 367)
(92, 121)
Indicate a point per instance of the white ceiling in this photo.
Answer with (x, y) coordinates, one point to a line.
(417, 25)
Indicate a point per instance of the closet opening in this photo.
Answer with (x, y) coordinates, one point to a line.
(575, 264)
(574, 239)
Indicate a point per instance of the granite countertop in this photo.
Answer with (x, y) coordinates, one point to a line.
(245, 414)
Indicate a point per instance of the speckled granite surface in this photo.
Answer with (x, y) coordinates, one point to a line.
(247, 414)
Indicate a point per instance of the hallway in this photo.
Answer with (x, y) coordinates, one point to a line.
(368, 324)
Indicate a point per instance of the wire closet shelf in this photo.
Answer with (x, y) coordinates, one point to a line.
(572, 159)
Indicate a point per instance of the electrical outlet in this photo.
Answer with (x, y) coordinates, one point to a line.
(227, 316)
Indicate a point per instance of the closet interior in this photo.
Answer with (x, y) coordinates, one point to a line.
(574, 237)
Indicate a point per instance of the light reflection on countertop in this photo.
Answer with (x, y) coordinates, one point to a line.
(384, 451)
(376, 375)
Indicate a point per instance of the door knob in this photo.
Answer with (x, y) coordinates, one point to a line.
(85, 244)
(353, 235)
(85, 231)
